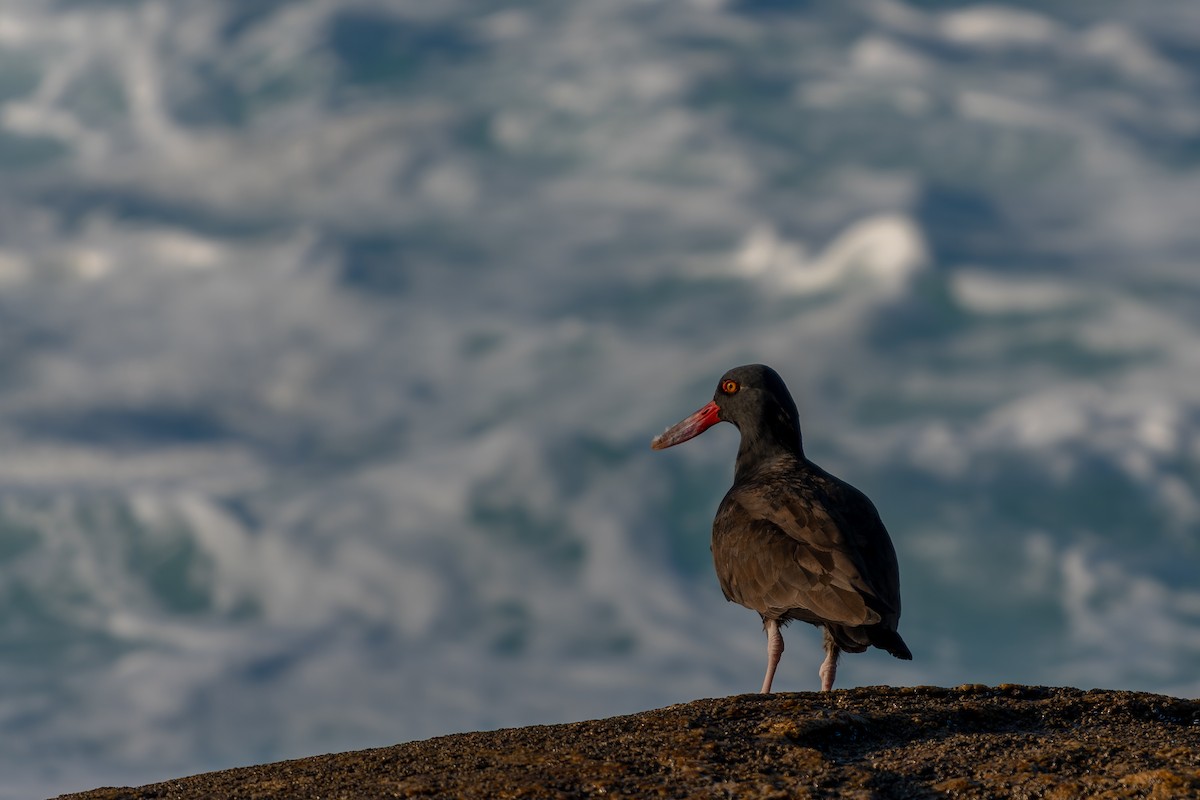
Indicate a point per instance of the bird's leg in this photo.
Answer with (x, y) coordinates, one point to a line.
(774, 651)
(828, 669)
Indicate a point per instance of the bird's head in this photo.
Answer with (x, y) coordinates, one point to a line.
(752, 397)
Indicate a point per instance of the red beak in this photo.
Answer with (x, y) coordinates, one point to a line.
(689, 428)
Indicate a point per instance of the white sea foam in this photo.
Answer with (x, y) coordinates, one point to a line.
(986, 293)
(884, 251)
(993, 26)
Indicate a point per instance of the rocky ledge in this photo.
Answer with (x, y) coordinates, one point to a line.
(874, 742)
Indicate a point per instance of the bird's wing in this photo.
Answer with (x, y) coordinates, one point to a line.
(867, 539)
(786, 551)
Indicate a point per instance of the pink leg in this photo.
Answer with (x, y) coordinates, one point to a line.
(774, 651)
(828, 669)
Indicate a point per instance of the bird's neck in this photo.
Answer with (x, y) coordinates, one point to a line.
(764, 449)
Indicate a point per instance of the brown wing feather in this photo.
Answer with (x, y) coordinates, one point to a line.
(816, 552)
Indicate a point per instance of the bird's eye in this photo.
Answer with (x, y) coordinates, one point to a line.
(729, 386)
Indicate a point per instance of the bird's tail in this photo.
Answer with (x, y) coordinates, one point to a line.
(889, 640)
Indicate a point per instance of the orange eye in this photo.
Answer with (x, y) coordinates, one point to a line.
(729, 386)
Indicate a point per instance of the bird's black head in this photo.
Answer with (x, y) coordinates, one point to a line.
(756, 400)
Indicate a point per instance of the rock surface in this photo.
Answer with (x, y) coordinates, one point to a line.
(969, 742)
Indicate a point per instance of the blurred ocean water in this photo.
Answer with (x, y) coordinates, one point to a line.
(333, 335)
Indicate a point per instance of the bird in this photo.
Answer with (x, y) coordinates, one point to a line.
(790, 540)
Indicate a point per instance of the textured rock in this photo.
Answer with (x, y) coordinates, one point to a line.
(969, 742)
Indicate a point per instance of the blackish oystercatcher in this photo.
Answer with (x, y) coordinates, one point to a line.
(791, 541)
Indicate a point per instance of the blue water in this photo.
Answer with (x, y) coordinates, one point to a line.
(332, 339)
